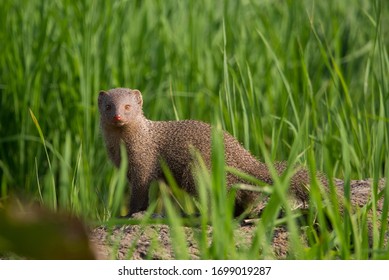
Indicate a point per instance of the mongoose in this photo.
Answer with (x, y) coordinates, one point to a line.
(147, 142)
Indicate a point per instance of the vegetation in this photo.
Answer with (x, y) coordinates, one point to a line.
(302, 81)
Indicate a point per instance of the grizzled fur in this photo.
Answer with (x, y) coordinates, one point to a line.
(147, 142)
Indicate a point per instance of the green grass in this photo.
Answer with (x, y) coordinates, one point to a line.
(302, 81)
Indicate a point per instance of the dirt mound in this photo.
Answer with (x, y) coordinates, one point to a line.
(154, 241)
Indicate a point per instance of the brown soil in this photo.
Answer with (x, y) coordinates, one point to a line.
(154, 242)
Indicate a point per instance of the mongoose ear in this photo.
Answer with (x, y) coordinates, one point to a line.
(101, 93)
(138, 96)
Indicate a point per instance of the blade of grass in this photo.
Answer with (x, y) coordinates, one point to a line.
(53, 199)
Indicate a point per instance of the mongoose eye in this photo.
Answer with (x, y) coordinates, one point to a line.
(127, 107)
(108, 107)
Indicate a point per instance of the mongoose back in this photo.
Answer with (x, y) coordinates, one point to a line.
(147, 142)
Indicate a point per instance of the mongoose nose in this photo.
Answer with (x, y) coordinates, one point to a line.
(117, 117)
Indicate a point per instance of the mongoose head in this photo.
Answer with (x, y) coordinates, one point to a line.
(120, 106)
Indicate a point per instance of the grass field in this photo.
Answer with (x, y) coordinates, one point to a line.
(302, 81)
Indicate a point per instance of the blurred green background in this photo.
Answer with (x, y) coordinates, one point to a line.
(268, 71)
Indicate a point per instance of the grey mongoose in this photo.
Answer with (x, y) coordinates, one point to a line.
(148, 142)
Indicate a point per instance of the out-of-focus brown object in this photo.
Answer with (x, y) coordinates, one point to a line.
(34, 232)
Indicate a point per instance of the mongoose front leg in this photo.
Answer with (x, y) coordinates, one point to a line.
(139, 198)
